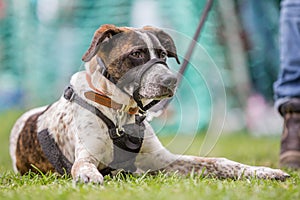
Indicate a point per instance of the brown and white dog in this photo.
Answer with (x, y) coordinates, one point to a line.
(71, 136)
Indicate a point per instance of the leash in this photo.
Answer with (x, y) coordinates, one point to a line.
(162, 105)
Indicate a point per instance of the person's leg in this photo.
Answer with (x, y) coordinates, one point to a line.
(287, 87)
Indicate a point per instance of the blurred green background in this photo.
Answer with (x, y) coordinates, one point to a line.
(42, 41)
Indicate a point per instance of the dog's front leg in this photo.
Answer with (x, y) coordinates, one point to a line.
(84, 168)
(93, 147)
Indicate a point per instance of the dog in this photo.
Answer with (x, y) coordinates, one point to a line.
(97, 127)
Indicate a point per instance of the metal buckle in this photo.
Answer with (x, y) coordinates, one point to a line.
(119, 132)
(72, 96)
(116, 133)
(69, 93)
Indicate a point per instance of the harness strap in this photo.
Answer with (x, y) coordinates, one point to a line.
(127, 142)
(70, 95)
(61, 164)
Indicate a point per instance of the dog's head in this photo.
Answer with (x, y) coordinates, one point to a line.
(128, 52)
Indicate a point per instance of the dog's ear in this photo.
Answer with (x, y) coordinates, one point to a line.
(104, 32)
(166, 40)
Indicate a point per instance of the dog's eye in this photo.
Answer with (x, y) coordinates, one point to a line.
(163, 55)
(137, 54)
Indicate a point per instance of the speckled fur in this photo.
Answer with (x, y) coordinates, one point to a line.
(83, 138)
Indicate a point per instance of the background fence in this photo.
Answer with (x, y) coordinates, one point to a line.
(42, 41)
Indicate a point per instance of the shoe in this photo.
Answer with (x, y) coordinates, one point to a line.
(290, 140)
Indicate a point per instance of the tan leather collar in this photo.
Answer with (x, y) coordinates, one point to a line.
(102, 99)
(108, 102)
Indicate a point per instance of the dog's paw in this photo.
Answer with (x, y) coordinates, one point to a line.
(89, 177)
(267, 173)
(87, 173)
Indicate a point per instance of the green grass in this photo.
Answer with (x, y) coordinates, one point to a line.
(240, 147)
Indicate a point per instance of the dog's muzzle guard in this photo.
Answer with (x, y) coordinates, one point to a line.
(134, 77)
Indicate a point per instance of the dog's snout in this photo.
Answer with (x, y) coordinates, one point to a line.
(168, 80)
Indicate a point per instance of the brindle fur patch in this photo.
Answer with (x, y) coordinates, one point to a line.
(119, 48)
(29, 151)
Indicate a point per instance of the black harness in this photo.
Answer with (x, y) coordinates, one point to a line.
(127, 140)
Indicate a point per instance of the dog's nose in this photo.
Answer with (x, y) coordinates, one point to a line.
(168, 80)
